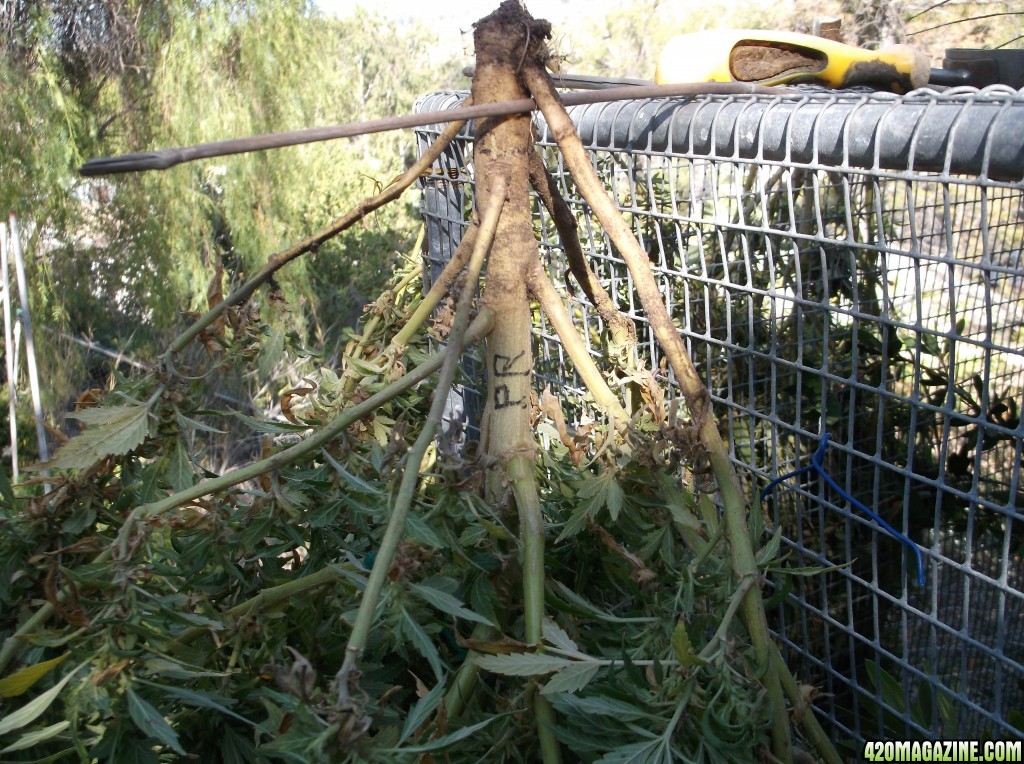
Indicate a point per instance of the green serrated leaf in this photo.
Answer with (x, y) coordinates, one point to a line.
(97, 417)
(589, 489)
(177, 670)
(32, 710)
(445, 741)
(420, 712)
(30, 739)
(571, 679)
(347, 476)
(112, 431)
(646, 752)
(599, 705)
(180, 474)
(198, 699)
(270, 353)
(614, 498)
(573, 602)
(446, 603)
(17, 683)
(521, 664)
(556, 636)
(421, 641)
(770, 550)
(186, 423)
(575, 524)
(151, 722)
(420, 531)
(890, 689)
(323, 515)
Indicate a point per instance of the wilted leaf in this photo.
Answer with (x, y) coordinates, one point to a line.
(551, 407)
(17, 683)
(806, 694)
(683, 647)
(286, 401)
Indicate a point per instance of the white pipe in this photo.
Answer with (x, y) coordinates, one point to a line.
(30, 352)
(12, 386)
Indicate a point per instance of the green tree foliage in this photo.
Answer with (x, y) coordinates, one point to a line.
(120, 259)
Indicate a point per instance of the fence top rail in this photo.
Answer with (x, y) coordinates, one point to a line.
(959, 132)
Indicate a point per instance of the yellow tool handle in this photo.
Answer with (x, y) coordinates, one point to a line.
(768, 57)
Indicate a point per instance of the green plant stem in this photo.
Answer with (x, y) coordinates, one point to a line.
(312, 242)
(310, 445)
(265, 599)
(411, 472)
(13, 644)
(437, 290)
(531, 531)
(730, 612)
(464, 685)
(544, 712)
(551, 303)
(809, 721)
(698, 399)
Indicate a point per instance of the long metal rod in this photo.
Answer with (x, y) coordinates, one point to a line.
(165, 158)
(30, 348)
(12, 386)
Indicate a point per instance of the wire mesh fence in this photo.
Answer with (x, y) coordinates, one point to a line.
(845, 264)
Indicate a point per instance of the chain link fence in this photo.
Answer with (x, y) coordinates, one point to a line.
(847, 264)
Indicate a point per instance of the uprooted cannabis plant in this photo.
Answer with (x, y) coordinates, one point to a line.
(354, 592)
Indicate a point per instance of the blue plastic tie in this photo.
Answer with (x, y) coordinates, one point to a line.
(818, 465)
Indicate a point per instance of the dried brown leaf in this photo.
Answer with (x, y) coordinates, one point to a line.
(286, 402)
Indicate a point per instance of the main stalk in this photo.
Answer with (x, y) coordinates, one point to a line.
(503, 147)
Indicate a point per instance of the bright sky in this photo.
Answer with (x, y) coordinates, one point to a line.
(452, 20)
(466, 11)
